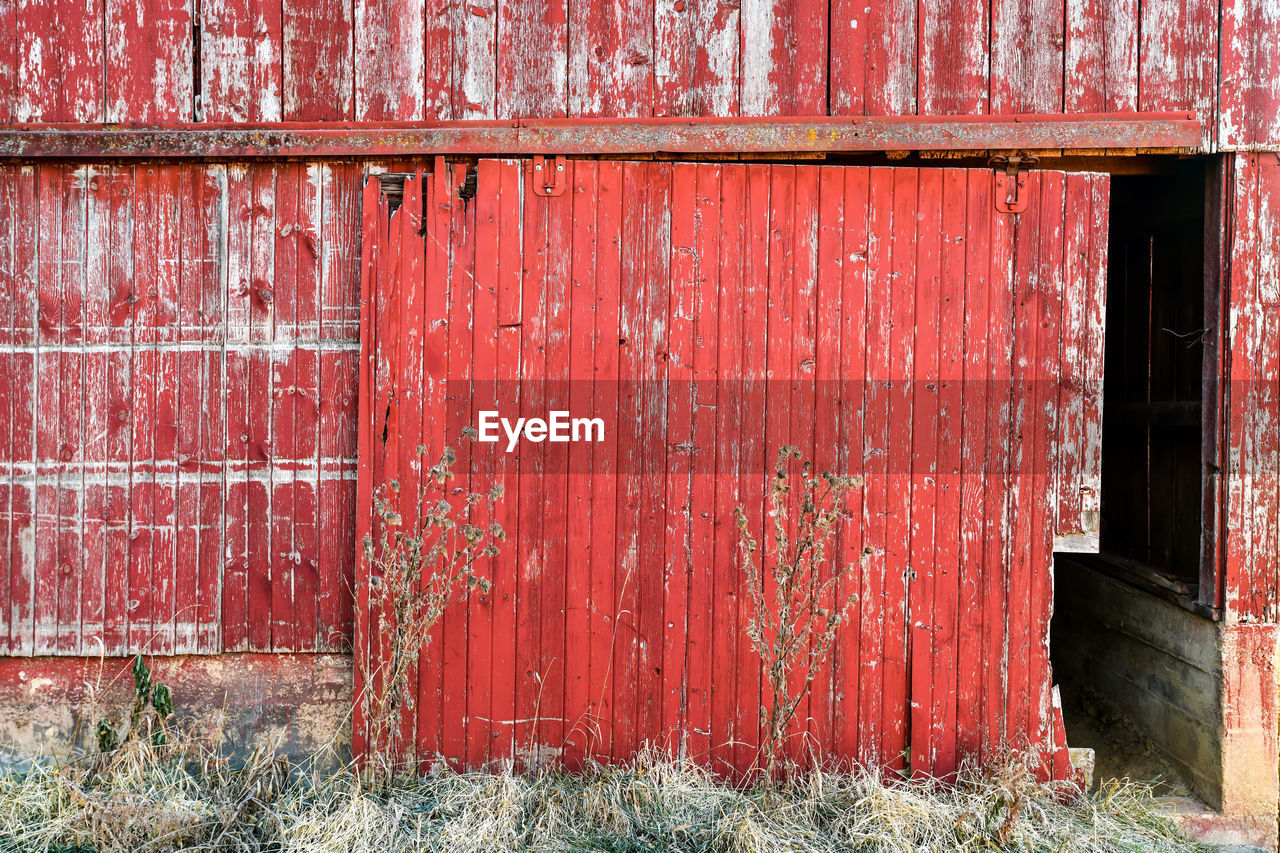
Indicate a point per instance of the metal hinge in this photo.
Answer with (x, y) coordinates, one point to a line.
(1011, 180)
(548, 177)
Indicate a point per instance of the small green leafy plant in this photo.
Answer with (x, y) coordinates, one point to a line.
(152, 707)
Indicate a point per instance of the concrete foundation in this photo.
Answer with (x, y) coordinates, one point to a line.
(51, 705)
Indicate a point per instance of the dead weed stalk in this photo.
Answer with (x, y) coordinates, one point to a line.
(413, 573)
(798, 588)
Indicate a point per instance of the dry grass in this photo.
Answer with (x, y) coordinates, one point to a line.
(183, 796)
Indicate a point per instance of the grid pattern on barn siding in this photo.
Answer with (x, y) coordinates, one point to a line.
(178, 348)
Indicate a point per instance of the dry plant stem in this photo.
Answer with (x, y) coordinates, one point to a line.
(795, 588)
(414, 574)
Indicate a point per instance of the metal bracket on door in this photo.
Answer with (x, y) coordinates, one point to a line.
(548, 177)
(1011, 181)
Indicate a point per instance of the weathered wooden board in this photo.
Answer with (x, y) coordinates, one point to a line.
(407, 60)
(1251, 396)
(888, 321)
(1249, 97)
(178, 353)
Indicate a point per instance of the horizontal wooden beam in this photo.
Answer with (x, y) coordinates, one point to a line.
(617, 137)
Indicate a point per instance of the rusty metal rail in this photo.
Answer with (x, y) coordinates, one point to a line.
(617, 137)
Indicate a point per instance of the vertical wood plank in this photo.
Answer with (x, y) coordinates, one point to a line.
(612, 61)
(532, 66)
(69, 458)
(1101, 56)
(240, 61)
(999, 473)
(1252, 402)
(827, 438)
(1048, 361)
(413, 397)
(371, 247)
(472, 43)
(1022, 558)
(141, 604)
(8, 379)
(188, 393)
(873, 58)
(506, 567)
(851, 384)
(1248, 88)
(977, 393)
(531, 671)
(783, 56)
(1177, 58)
(727, 592)
(260, 475)
(580, 509)
(1027, 41)
(757, 457)
(282, 390)
(780, 363)
(560, 236)
(626, 647)
(119, 284)
(678, 565)
(8, 62)
(239, 224)
(605, 612)
(317, 63)
(801, 410)
(701, 648)
(898, 579)
(485, 461)
(697, 52)
(149, 61)
(949, 434)
(922, 378)
(459, 415)
(655, 299)
(953, 58)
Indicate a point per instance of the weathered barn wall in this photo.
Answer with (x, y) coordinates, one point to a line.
(241, 60)
(889, 321)
(178, 348)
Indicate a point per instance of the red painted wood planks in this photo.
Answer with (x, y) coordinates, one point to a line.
(1249, 87)
(150, 61)
(1252, 401)
(139, 452)
(317, 61)
(925, 358)
(398, 60)
(240, 61)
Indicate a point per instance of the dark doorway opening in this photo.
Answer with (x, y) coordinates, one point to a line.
(1152, 483)
(1133, 640)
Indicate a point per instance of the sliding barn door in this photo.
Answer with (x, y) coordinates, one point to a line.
(889, 322)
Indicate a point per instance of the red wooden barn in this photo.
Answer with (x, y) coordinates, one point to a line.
(1015, 264)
